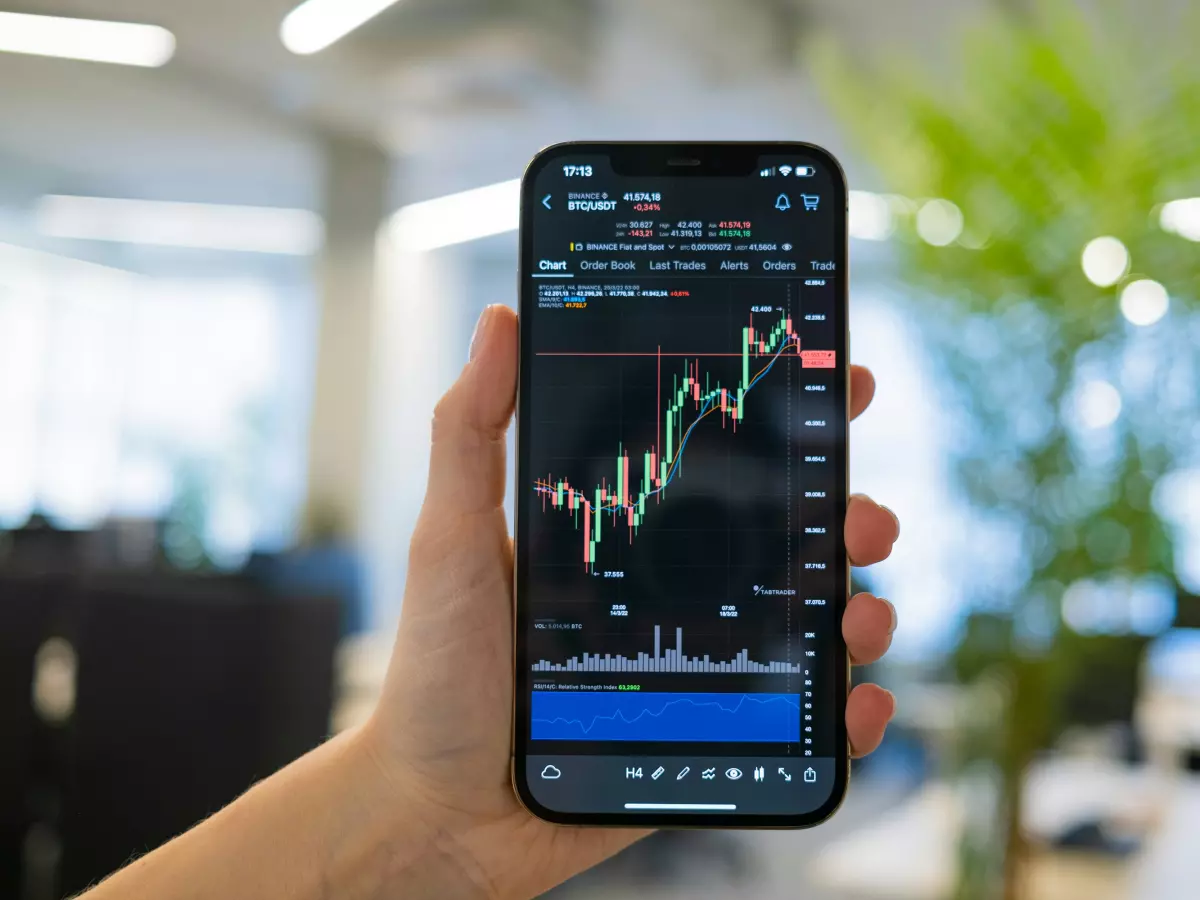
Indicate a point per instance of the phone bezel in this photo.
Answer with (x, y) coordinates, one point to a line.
(731, 158)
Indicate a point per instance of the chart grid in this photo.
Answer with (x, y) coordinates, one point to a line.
(665, 661)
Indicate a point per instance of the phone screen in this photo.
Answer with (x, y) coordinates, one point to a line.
(681, 485)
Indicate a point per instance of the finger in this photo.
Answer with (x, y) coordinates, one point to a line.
(868, 712)
(871, 530)
(466, 467)
(862, 389)
(867, 627)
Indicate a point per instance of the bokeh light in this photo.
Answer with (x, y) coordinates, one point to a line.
(870, 216)
(1105, 261)
(1144, 302)
(1181, 217)
(939, 222)
(1097, 403)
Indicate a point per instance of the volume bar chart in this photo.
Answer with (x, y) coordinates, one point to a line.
(671, 660)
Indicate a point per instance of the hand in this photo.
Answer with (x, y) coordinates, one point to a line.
(441, 735)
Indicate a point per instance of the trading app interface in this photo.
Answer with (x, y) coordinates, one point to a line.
(683, 492)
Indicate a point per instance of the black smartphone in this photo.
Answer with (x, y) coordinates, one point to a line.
(680, 570)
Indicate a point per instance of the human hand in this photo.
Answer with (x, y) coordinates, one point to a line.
(442, 732)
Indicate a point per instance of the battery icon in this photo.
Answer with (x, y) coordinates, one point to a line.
(804, 172)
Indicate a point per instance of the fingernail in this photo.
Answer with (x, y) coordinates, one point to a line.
(893, 697)
(892, 611)
(477, 336)
(895, 518)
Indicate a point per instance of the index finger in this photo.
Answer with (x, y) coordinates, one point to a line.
(862, 389)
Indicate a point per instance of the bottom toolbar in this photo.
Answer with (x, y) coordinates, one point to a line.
(745, 785)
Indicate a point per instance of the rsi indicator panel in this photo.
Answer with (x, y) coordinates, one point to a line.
(685, 474)
(659, 716)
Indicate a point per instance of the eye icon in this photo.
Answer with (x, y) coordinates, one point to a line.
(733, 774)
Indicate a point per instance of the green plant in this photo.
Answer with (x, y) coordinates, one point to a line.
(1058, 127)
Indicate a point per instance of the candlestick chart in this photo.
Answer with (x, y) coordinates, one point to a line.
(643, 475)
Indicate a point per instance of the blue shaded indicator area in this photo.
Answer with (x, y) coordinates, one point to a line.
(642, 716)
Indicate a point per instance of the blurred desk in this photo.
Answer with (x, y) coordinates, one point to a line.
(1073, 875)
(910, 852)
(1168, 868)
(165, 697)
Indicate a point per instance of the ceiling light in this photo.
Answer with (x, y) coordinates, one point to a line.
(254, 229)
(315, 24)
(457, 218)
(124, 43)
(939, 222)
(1105, 261)
(1144, 302)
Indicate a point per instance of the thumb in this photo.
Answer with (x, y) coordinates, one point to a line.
(467, 465)
(457, 600)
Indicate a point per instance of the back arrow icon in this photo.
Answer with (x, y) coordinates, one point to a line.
(546, 201)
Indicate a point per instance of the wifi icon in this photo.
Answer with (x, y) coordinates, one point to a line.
(785, 170)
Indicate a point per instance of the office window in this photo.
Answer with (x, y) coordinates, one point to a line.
(127, 395)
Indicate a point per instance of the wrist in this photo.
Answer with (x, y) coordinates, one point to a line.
(407, 844)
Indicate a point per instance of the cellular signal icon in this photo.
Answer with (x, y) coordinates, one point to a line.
(766, 173)
(785, 171)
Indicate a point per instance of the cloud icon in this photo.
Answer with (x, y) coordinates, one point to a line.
(551, 772)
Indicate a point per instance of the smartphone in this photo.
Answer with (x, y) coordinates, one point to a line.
(680, 568)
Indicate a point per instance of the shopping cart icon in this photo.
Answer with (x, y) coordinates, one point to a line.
(810, 200)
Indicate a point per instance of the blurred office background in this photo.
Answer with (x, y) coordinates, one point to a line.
(234, 279)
